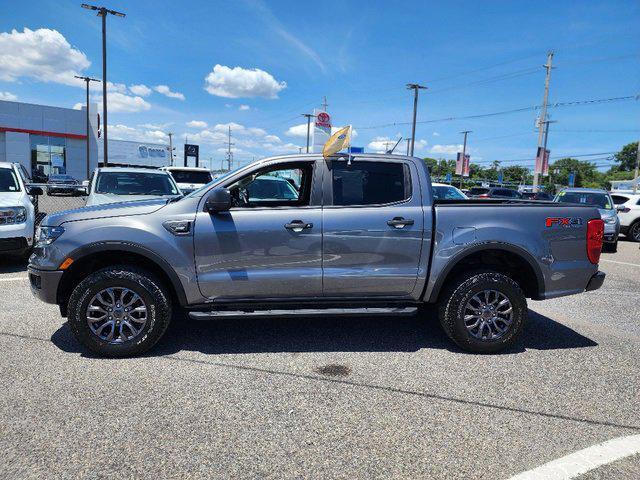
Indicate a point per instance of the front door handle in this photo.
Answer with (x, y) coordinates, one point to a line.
(297, 225)
(399, 222)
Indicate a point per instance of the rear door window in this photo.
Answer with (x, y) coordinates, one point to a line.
(370, 183)
(619, 199)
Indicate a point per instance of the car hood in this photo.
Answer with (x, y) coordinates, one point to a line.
(12, 199)
(107, 210)
(606, 213)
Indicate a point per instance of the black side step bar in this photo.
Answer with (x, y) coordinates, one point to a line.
(304, 312)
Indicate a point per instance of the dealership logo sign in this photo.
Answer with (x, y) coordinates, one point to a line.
(323, 119)
(153, 152)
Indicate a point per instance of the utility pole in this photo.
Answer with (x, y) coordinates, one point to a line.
(543, 112)
(415, 87)
(464, 152)
(309, 116)
(408, 144)
(229, 153)
(635, 175)
(87, 80)
(103, 12)
(170, 149)
(324, 103)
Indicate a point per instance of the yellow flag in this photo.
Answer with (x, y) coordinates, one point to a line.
(338, 141)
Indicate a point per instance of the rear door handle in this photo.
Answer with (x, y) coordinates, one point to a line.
(297, 225)
(399, 222)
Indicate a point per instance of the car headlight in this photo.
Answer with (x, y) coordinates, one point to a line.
(609, 220)
(13, 215)
(46, 235)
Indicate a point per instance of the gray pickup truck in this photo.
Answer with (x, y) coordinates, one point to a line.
(301, 232)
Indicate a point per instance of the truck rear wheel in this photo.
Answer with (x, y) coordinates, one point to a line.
(119, 311)
(483, 312)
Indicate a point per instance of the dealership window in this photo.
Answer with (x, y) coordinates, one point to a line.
(48, 154)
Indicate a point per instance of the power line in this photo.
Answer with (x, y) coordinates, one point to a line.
(506, 112)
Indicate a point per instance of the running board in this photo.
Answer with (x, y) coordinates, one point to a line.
(304, 312)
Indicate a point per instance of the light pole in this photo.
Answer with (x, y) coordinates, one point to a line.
(170, 134)
(464, 153)
(309, 116)
(102, 12)
(415, 87)
(87, 80)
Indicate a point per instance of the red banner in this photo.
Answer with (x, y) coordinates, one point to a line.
(463, 165)
(542, 162)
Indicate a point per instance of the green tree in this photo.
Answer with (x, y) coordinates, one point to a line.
(627, 157)
(587, 175)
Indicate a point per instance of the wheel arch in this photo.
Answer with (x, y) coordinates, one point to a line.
(89, 258)
(505, 257)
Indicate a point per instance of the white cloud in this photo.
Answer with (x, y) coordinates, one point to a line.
(239, 82)
(197, 124)
(166, 91)
(78, 106)
(42, 54)
(297, 131)
(8, 96)
(118, 102)
(155, 126)
(244, 107)
(124, 132)
(272, 139)
(435, 134)
(420, 144)
(446, 149)
(140, 90)
(382, 144)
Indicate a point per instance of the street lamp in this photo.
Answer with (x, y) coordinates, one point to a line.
(87, 80)
(102, 12)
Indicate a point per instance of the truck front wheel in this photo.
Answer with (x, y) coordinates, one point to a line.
(119, 311)
(483, 312)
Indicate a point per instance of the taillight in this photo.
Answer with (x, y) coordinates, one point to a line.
(595, 237)
(484, 195)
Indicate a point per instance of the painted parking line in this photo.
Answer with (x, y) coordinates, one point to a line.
(582, 461)
(620, 263)
(14, 279)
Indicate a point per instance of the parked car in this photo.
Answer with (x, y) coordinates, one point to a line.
(444, 191)
(62, 184)
(360, 232)
(628, 207)
(477, 191)
(601, 200)
(118, 184)
(189, 178)
(17, 213)
(537, 196)
(500, 192)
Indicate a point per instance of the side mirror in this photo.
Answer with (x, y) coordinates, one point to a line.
(219, 200)
(82, 191)
(35, 191)
(620, 208)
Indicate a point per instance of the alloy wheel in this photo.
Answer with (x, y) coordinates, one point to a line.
(116, 314)
(488, 315)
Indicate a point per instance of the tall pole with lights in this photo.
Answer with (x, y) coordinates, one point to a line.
(103, 12)
(87, 80)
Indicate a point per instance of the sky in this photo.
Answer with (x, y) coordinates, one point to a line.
(195, 67)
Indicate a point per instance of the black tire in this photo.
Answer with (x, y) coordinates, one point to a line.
(454, 301)
(143, 283)
(633, 233)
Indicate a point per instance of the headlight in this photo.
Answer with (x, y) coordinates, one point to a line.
(609, 220)
(46, 235)
(12, 215)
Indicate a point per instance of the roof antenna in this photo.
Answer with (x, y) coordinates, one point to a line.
(388, 152)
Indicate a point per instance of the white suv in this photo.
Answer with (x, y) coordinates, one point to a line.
(189, 178)
(628, 205)
(17, 213)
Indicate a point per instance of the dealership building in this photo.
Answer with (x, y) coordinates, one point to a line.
(54, 140)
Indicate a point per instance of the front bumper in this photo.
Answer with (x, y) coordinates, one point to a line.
(596, 281)
(44, 284)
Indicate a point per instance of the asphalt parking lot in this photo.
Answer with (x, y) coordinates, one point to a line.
(322, 397)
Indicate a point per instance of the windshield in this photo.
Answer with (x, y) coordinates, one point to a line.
(135, 183)
(447, 193)
(8, 181)
(186, 176)
(600, 200)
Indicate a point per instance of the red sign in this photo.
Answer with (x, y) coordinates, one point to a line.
(463, 164)
(323, 120)
(542, 162)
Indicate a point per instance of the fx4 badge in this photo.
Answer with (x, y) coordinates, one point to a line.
(563, 222)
